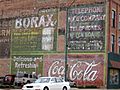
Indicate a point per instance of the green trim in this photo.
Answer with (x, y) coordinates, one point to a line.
(35, 53)
(114, 57)
(76, 51)
(10, 51)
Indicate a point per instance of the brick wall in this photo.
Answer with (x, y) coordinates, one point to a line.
(4, 67)
(10, 8)
(16, 8)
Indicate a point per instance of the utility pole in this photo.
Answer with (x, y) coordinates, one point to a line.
(66, 42)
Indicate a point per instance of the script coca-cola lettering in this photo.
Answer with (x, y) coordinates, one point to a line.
(56, 69)
(81, 70)
(85, 71)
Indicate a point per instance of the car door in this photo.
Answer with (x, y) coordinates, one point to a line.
(53, 84)
(60, 83)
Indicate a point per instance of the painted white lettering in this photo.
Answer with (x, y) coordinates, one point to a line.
(31, 22)
(71, 19)
(41, 21)
(55, 69)
(49, 22)
(18, 23)
(85, 72)
(89, 74)
(26, 22)
(25, 65)
(4, 32)
(34, 22)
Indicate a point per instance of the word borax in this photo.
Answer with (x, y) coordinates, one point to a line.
(38, 21)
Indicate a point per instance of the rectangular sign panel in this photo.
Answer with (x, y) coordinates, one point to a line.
(84, 69)
(26, 64)
(86, 27)
(35, 33)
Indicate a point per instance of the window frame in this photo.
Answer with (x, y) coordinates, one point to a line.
(112, 42)
(113, 18)
(119, 43)
(119, 21)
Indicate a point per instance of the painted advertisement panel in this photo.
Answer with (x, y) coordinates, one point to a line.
(84, 69)
(26, 64)
(86, 27)
(36, 33)
(5, 40)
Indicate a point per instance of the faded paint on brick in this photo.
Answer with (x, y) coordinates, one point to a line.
(84, 69)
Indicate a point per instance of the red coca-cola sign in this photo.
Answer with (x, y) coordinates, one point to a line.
(83, 69)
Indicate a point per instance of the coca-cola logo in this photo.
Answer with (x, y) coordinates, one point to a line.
(56, 69)
(81, 70)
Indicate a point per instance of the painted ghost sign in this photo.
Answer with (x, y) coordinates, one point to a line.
(46, 18)
(5, 39)
(26, 64)
(84, 69)
(5, 43)
(86, 27)
(54, 65)
(35, 33)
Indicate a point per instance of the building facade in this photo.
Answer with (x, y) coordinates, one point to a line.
(113, 48)
(78, 39)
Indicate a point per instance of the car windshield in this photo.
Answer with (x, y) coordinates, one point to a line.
(42, 80)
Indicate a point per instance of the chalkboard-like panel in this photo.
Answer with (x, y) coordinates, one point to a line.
(86, 27)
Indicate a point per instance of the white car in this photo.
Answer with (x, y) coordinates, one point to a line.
(48, 83)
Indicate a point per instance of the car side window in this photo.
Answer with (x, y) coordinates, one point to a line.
(30, 76)
(53, 80)
(59, 80)
(26, 75)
